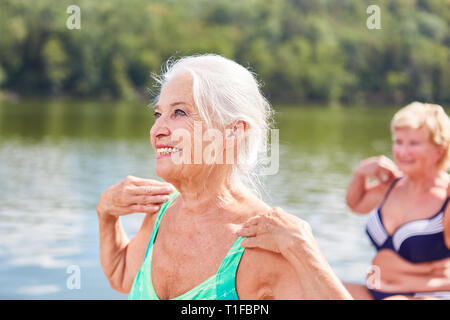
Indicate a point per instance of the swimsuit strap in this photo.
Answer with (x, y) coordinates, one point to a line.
(389, 191)
(226, 275)
(444, 205)
(166, 204)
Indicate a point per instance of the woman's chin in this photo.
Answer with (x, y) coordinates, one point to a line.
(166, 170)
(409, 170)
(163, 173)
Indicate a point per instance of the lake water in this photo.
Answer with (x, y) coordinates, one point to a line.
(57, 158)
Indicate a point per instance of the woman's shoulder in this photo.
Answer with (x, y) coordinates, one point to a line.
(261, 273)
(251, 205)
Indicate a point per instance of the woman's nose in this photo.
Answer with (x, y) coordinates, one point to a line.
(404, 150)
(160, 128)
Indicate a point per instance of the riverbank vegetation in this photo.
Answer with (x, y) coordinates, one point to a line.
(302, 50)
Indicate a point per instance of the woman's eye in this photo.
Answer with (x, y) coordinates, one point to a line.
(180, 112)
(157, 115)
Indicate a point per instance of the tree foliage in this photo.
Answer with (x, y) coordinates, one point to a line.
(302, 50)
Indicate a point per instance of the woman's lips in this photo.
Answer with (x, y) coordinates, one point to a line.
(163, 151)
(405, 162)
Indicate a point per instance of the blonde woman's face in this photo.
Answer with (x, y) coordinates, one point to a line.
(413, 151)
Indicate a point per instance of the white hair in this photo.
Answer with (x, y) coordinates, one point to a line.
(225, 92)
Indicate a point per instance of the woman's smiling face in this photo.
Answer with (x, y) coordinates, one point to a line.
(178, 132)
(174, 111)
(413, 151)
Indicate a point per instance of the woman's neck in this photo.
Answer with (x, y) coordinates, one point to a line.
(210, 194)
(426, 180)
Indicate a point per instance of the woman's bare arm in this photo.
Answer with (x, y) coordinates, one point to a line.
(399, 275)
(280, 232)
(317, 279)
(120, 257)
(446, 222)
(362, 195)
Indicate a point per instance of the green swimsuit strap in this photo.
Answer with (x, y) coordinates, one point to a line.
(164, 207)
(226, 275)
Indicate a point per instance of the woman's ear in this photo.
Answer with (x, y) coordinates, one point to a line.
(441, 153)
(235, 132)
(236, 128)
(240, 127)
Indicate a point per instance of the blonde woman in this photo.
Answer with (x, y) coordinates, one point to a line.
(409, 221)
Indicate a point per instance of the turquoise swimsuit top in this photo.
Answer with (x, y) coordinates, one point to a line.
(221, 286)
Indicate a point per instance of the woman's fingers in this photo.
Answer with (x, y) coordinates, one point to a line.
(259, 224)
(140, 186)
(144, 203)
(276, 231)
(135, 208)
(393, 171)
(264, 241)
(252, 221)
(383, 175)
(134, 194)
(389, 165)
(250, 243)
(151, 190)
(380, 167)
(249, 231)
(159, 199)
(262, 232)
(144, 182)
(386, 170)
(392, 174)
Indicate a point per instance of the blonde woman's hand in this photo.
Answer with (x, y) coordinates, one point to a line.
(380, 167)
(133, 195)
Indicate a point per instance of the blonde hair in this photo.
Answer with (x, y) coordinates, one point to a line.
(430, 116)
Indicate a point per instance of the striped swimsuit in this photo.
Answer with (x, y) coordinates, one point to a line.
(416, 241)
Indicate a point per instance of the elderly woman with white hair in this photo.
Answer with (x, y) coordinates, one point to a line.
(188, 246)
(409, 223)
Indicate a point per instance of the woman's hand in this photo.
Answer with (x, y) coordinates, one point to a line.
(284, 233)
(364, 195)
(276, 231)
(381, 168)
(133, 195)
